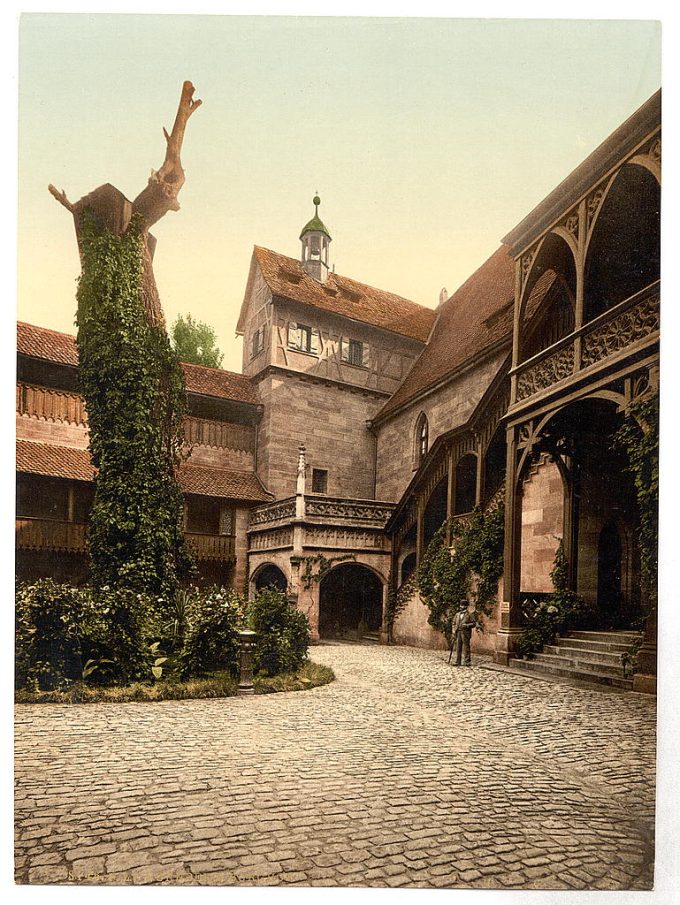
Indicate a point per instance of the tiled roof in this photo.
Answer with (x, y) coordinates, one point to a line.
(54, 461)
(216, 382)
(38, 342)
(74, 464)
(220, 482)
(476, 317)
(339, 295)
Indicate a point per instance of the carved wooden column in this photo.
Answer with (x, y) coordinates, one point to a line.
(479, 485)
(450, 495)
(509, 627)
(420, 531)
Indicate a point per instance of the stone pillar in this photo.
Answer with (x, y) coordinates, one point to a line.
(644, 679)
(509, 623)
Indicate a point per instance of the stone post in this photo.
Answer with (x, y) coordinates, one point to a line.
(247, 641)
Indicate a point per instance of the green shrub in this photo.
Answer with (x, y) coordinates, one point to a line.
(282, 630)
(213, 617)
(48, 644)
(118, 631)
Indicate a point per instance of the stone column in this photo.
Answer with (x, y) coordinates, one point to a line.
(509, 622)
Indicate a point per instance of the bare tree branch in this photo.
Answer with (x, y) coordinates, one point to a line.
(61, 197)
(160, 194)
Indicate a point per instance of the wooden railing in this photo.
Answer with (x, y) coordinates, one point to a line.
(50, 404)
(220, 547)
(627, 323)
(71, 537)
(50, 534)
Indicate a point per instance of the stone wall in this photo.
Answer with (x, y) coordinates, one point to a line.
(330, 420)
(542, 524)
(446, 408)
(411, 627)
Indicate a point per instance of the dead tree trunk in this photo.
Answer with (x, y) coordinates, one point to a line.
(113, 211)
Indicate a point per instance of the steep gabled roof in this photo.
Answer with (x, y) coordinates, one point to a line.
(340, 295)
(477, 317)
(49, 345)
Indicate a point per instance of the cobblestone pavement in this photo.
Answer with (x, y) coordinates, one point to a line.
(403, 772)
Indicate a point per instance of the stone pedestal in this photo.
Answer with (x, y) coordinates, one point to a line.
(507, 641)
(644, 679)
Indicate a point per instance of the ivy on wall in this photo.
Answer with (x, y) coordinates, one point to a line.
(309, 576)
(468, 570)
(135, 396)
(639, 436)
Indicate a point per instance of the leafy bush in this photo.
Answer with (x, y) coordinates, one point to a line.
(66, 634)
(48, 630)
(213, 617)
(119, 635)
(283, 633)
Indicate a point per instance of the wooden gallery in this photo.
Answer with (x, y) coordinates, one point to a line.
(361, 422)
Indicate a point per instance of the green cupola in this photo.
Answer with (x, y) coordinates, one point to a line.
(315, 240)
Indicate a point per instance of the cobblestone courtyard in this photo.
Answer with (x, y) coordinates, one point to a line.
(403, 772)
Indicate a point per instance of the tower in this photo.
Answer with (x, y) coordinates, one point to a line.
(315, 240)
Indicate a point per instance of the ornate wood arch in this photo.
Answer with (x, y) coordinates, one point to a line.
(529, 259)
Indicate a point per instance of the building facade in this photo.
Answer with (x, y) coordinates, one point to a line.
(362, 421)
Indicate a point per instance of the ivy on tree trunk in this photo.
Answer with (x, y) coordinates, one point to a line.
(135, 396)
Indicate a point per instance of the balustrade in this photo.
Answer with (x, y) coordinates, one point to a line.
(623, 325)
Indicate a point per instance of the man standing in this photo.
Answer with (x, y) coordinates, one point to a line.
(461, 628)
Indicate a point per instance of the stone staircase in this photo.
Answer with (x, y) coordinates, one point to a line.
(587, 656)
(371, 637)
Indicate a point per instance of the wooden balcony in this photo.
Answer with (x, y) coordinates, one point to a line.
(71, 537)
(216, 547)
(626, 328)
(50, 534)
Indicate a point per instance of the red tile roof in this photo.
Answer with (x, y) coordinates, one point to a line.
(476, 317)
(38, 342)
(205, 480)
(340, 295)
(216, 382)
(54, 461)
(74, 464)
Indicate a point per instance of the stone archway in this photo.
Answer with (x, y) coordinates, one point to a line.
(270, 576)
(350, 602)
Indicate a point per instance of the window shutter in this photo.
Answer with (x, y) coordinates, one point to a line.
(293, 336)
(344, 349)
(365, 356)
(316, 342)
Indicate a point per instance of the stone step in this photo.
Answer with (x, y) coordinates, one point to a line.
(582, 675)
(602, 646)
(609, 669)
(573, 652)
(371, 637)
(622, 637)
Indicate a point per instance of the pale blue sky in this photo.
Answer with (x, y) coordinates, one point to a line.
(427, 139)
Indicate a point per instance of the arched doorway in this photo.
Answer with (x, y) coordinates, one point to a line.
(609, 597)
(270, 576)
(350, 602)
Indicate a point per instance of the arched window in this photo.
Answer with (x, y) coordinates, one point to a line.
(421, 439)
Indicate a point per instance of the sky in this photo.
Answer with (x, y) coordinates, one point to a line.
(427, 140)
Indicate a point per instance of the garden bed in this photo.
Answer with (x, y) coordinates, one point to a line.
(219, 685)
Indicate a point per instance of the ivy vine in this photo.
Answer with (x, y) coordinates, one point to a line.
(468, 570)
(309, 576)
(135, 395)
(639, 436)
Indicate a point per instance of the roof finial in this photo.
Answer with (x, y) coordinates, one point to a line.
(316, 202)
